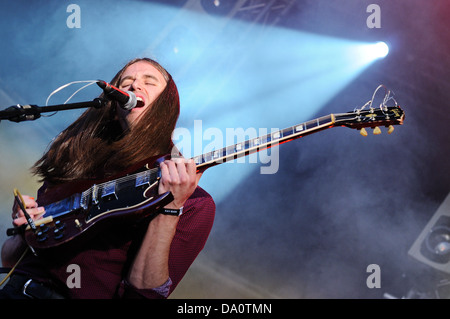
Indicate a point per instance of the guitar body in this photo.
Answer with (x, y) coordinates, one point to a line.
(74, 210)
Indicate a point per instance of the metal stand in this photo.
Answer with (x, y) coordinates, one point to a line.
(19, 113)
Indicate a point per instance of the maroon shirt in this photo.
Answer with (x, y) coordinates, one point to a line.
(104, 262)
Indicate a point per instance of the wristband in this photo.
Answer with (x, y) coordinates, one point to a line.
(172, 212)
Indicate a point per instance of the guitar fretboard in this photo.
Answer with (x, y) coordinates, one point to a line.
(260, 143)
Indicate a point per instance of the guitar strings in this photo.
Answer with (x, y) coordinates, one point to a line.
(387, 97)
(123, 179)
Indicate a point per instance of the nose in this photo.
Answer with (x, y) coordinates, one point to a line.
(136, 86)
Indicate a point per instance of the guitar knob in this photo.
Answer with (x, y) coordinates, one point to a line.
(41, 236)
(59, 225)
(363, 132)
(390, 129)
(43, 228)
(376, 130)
(58, 233)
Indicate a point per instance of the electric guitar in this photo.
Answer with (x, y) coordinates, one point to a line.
(76, 209)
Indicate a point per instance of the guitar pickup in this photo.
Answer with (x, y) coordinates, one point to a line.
(142, 179)
(109, 191)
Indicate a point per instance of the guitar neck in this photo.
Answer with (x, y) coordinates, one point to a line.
(260, 143)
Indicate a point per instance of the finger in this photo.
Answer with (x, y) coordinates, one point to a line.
(19, 221)
(29, 202)
(37, 212)
(191, 171)
(164, 177)
(167, 176)
(174, 178)
(182, 172)
(33, 212)
(191, 167)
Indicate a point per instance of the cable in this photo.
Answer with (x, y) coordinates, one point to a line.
(19, 199)
(14, 267)
(90, 82)
(82, 88)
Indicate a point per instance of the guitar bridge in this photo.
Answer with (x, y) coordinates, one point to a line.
(94, 194)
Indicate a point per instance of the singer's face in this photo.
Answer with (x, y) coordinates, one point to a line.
(144, 80)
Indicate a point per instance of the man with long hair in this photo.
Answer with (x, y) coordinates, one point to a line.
(120, 262)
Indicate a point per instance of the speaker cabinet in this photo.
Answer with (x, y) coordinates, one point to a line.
(432, 247)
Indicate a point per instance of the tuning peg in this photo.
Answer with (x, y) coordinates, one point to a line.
(363, 132)
(376, 130)
(390, 129)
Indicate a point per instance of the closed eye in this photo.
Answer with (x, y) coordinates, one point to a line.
(125, 84)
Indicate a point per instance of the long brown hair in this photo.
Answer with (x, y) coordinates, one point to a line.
(95, 145)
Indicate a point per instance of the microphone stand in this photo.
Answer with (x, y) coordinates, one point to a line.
(19, 113)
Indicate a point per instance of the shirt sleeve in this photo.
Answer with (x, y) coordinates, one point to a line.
(128, 291)
(192, 233)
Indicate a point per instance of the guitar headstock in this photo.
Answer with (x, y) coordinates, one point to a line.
(373, 118)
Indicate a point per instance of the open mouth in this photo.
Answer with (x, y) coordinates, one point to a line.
(140, 101)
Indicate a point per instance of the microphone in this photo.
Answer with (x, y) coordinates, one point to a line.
(127, 100)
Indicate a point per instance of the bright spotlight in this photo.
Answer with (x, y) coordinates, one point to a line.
(363, 54)
(380, 50)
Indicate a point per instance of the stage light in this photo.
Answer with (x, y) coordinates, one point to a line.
(363, 54)
(380, 49)
(248, 76)
(217, 7)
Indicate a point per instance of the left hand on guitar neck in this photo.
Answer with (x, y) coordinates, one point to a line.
(178, 176)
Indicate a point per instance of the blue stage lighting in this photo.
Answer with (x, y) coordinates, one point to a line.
(380, 49)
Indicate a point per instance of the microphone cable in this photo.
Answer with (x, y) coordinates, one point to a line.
(90, 82)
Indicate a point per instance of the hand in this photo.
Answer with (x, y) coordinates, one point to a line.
(32, 208)
(179, 176)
